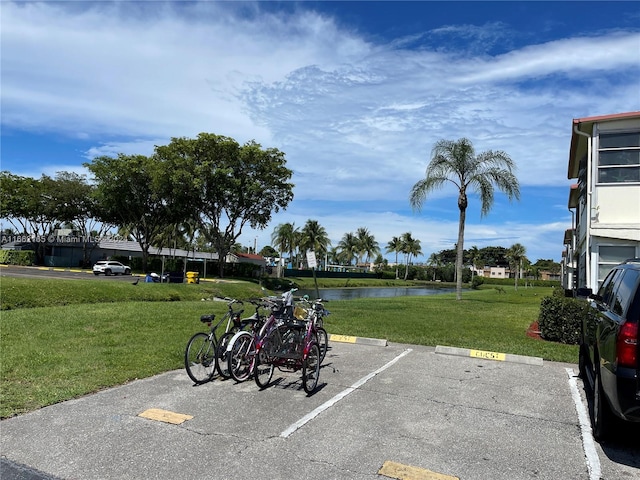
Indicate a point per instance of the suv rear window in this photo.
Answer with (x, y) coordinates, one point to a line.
(625, 291)
(606, 290)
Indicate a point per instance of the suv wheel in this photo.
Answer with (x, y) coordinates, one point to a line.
(602, 416)
(127, 271)
(582, 361)
(107, 271)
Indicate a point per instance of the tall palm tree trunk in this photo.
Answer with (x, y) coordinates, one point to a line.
(460, 253)
(397, 265)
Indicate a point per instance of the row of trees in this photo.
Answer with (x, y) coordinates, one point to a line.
(210, 187)
(362, 247)
(359, 246)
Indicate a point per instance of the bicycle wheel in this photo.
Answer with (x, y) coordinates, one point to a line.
(263, 369)
(323, 342)
(200, 358)
(311, 369)
(240, 357)
(222, 363)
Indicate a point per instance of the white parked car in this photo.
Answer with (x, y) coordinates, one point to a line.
(109, 267)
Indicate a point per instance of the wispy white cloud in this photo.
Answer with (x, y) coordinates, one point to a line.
(356, 119)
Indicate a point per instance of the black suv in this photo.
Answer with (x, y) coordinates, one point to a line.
(609, 351)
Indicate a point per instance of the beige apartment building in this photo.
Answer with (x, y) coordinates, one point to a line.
(604, 201)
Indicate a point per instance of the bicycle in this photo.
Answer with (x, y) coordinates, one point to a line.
(241, 347)
(314, 311)
(288, 344)
(204, 352)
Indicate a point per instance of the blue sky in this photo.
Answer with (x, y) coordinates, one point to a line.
(355, 94)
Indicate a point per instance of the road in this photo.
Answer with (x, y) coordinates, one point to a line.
(48, 272)
(397, 406)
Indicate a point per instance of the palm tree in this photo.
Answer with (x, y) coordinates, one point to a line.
(516, 255)
(456, 162)
(314, 237)
(435, 261)
(284, 238)
(410, 246)
(334, 255)
(348, 247)
(367, 245)
(395, 245)
(475, 257)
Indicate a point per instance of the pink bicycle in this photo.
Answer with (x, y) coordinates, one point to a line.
(283, 342)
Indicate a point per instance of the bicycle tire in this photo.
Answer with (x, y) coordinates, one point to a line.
(222, 364)
(323, 342)
(240, 357)
(200, 358)
(262, 370)
(311, 369)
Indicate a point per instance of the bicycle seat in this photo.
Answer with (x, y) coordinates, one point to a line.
(207, 318)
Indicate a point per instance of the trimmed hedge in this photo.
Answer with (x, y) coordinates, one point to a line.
(17, 257)
(560, 319)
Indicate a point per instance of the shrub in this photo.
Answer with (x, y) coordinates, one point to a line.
(17, 257)
(477, 281)
(560, 319)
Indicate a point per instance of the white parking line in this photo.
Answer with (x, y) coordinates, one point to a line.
(590, 452)
(311, 415)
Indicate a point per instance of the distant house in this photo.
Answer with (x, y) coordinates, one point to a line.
(605, 202)
(492, 272)
(67, 251)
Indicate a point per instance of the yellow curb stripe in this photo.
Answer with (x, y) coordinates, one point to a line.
(501, 357)
(407, 472)
(165, 416)
(342, 338)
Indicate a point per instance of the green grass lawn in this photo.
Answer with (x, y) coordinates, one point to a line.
(61, 339)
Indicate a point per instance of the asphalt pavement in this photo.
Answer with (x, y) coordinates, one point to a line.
(393, 411)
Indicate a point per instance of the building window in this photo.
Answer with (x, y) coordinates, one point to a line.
(619, 157)
(610, 256)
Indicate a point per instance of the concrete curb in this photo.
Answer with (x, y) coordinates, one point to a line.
(501, 357)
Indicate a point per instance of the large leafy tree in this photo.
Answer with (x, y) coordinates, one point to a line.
(78, 207)
(495, 256)
(229, 186)
(456, 162)
(30, 205)
(136, 192)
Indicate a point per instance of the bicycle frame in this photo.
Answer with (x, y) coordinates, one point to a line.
(285, 342)
(230, 316)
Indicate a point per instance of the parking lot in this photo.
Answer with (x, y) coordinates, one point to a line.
(401, 407)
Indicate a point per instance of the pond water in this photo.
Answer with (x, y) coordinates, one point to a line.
(371, 292)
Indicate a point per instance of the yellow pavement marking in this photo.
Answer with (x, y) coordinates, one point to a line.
(488, 355)
(165, 416)
(407, 472)
(342, 338)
